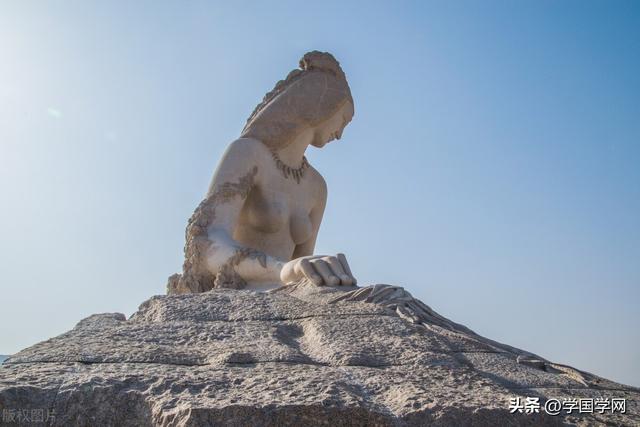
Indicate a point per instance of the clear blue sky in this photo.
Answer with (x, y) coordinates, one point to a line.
(492, 168)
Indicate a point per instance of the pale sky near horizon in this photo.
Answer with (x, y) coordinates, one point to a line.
(492, 167)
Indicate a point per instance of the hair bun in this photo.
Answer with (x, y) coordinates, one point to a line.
(321, 61)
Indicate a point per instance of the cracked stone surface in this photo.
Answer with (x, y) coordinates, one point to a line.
(298, 356)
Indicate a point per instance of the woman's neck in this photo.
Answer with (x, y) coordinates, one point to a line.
(293, 153)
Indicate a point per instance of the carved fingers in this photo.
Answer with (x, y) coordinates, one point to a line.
(322, 270)
(345, 265)
(322, 267)
(339, 271)
(305, 269)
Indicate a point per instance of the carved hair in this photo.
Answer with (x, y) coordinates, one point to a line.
(307, 97)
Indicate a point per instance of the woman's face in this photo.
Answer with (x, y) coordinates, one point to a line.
(332, 128)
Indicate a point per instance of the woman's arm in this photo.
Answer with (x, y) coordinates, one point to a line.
(212, 255)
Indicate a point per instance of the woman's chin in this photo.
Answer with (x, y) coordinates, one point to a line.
(318, 144)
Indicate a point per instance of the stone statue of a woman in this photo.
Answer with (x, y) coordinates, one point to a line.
(257, 226)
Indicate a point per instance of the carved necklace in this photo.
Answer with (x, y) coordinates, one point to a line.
(288, 171)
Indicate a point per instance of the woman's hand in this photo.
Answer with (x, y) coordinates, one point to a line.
(322, 270)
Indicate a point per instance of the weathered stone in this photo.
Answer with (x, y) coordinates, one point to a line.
(291, 357)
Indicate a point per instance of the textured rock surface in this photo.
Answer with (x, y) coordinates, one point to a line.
(301, 356)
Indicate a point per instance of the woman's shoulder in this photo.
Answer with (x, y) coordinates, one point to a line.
(244, 153)
(247, 147)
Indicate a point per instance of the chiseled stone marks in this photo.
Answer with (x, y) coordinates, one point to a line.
(232, 305)
(270, 394)
(416, 312)
(228, 357)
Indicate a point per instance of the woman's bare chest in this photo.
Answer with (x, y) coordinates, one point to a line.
(276, 210)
